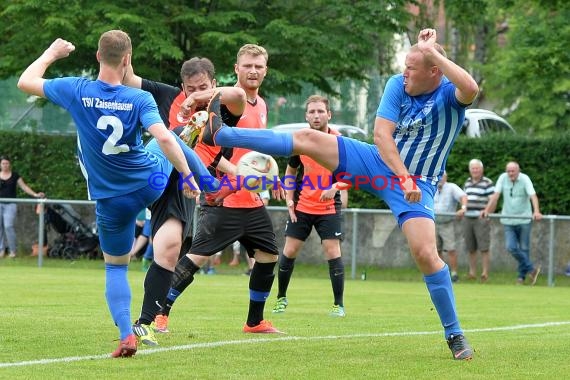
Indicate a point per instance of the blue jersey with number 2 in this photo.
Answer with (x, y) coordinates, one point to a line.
(109, 120)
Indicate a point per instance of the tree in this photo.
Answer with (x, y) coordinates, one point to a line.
(517, 50)
(530, 75)
(308, 41)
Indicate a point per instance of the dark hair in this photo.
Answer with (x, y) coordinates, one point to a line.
(4, 157)
(197, 65)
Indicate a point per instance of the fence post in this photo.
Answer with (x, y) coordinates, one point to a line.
(551, 253)
(354, 242)
(41, 229)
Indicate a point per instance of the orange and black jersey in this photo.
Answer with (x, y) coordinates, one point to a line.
(169, 99)
(211, 155)
(311, 180)
(254, 117)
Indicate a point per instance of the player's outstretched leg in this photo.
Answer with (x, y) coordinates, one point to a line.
(214, 123)
(215, 133)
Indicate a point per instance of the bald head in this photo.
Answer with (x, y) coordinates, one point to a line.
(513, 170)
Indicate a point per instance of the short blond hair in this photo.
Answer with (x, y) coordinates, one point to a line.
(254, 50)
(317, 99)
(438, 48)
(113, 46)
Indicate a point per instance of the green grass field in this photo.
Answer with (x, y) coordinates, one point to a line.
(55, 324)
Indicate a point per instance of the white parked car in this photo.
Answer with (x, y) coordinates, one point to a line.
(479, 122)
(344, 129)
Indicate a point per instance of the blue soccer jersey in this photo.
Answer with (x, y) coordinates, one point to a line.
(426, 125)
(109, 120)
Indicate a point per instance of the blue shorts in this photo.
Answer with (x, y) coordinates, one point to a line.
(116, 216)
(116, 219)
(165, 165)
(367, 171)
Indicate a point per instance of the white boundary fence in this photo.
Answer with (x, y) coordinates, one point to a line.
(358, 233)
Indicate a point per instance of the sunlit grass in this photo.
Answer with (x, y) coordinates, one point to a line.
(391, 330)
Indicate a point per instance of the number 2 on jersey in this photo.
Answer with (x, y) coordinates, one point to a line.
(110, 146)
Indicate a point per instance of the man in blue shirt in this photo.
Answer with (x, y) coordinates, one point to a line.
(122, 175)
(420, 115)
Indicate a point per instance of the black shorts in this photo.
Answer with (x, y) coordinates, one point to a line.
(219, 227)
(327, 226)
(173, 204)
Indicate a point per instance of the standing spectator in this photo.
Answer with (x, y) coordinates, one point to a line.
(518, 194)
(236, 251)
(312, 206)
(9, 182)
(477, 229)
(446, 198)
(419, 117)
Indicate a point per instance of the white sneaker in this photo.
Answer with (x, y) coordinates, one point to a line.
(12, 255)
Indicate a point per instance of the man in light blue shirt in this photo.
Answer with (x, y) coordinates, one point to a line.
(518, 194)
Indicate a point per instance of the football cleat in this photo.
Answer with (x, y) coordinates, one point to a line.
(127, 347)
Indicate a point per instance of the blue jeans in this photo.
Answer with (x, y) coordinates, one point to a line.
(517, 241)
(7, 217)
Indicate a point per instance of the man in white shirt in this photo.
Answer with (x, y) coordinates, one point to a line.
(446, 198)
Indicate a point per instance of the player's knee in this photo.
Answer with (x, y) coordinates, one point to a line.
(198, 260)
(424, 253)
(264, 257)
(303, 138)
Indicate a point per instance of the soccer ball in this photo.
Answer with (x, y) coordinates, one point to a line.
(193, 128)
(258, 172)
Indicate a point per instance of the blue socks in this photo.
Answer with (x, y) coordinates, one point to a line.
(201, 175)
(261, 140)
(203, 178)
(118, 295)
(441, 292)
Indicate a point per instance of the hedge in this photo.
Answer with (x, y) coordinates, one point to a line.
(49, 164)
(543, 159)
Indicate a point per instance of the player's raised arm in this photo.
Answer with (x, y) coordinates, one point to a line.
(467, 88)
(32, 79)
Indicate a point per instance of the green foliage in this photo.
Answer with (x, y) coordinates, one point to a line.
(531, 74)
(307, 41)
(391, 330)
(47, 163)
(544, 160)
(517, 50)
